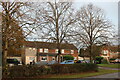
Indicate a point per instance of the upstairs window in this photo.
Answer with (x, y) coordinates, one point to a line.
(72, 51)
(33, 48)
(30, 48)
(56, 51)
(45, 50)
(105, 52)
(62, 51)
(40, 50)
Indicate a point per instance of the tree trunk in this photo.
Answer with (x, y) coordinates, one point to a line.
(38, 58)
(90, 52)
(5, 53)
(59, 58)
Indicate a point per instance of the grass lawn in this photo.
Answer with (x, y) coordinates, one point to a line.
(83, 75)
(110, 65)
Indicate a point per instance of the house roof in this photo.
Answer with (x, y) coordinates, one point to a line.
(110, 48)
(48, 45)
(113, 48)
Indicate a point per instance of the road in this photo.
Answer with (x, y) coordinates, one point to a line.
(109, 68)
(111, 75)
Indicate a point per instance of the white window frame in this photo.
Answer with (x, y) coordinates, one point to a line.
(31, 58)
(56, 50)
(72, 51)
(30, 48)
(75, 58)
(43, 57)
(33, 48)
(105, 52)
(62, 51)
(45, 50)
(40, 50)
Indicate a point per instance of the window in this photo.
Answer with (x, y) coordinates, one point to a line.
(30, 48)
(45, 50)
(62, 51)
(33, 48)
(75, 58)
(72, 51)
(105, 52)
(31, 58)
(44, 59)
(40, 50)
(56, 51)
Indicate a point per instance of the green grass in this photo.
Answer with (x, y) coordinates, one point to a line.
(109, 65)
(83, 75)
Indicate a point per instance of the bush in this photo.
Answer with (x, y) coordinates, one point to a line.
(112, 58)
(33, 70)
(25, 71)
(68, 57)
(98, 59)
(104, 61)
(73, 68)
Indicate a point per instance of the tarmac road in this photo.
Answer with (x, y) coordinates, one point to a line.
(111, 75)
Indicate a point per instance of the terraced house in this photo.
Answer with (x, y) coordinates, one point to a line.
(111, 51)
(46, 51)
(106, 51)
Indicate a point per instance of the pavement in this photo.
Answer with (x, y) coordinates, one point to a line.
(111, 75)
(109, 68)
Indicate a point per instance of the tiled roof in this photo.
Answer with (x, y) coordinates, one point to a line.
(110, 48)
(113, 48)
(48, 45)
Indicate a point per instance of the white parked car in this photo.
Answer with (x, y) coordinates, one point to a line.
(67, 62)
(117, 60)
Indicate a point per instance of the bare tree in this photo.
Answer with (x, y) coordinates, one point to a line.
(14, 18)
(92, 27)
(56, 19)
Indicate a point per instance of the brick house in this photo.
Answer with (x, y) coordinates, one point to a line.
(106, 51)
(46, 51)
(110, 52)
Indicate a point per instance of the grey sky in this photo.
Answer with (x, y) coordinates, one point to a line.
(110, 9)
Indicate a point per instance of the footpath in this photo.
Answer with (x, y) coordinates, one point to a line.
(114, 76)
(109, 68)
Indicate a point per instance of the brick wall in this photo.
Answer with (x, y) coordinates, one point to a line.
(32, 52)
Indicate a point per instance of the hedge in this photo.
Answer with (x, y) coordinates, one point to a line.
(31, 71)
(68, 57)
(25, 71)
(73, 68)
